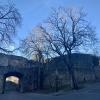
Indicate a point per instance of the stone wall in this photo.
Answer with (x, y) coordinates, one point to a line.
(84, 66)
(31, 78)
(15, 64)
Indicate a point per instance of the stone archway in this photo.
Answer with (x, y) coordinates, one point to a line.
(12, 74)
(25, 70)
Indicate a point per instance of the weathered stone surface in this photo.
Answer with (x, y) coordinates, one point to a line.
(11, 65)
(3, 60)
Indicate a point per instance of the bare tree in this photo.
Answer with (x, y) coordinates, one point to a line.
(10, 18)
(34, 47)
(65, 31)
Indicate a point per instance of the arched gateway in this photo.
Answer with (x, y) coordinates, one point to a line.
(11, 76)
(24, 70)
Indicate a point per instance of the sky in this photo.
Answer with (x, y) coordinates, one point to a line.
(34, 12)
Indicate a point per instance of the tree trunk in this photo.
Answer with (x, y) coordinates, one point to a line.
(41, 78)
(94, 73)
(68, 62)
(74, 84)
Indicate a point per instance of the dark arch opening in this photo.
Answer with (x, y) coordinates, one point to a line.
(10, 78)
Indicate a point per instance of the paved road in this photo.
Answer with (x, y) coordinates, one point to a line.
(92, 92)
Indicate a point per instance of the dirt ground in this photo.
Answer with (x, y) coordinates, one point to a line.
(91, 92)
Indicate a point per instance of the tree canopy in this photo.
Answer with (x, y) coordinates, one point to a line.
(10, 18)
